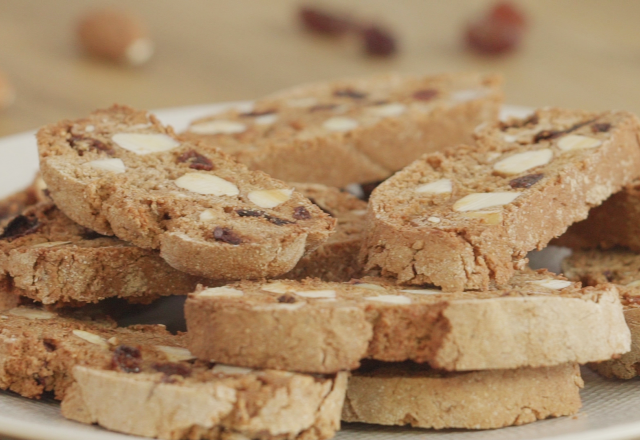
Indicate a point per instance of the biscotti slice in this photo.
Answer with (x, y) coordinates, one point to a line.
(466, 218)
(39, 348)
(614, 223)
(48, 258)
(354, 130)
(120, 172)
(16, 203)
(539, 320)
(337, 258)
(189, 401)
(413, 394)
(621, 267)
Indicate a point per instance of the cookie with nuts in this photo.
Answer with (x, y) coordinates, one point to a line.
(120, 172)
(539, 319)
(358, 130)
(622, 268)
(465, 218)
(413, 394)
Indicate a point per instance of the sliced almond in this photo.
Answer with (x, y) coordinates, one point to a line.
(221, 291)
(422, 291)
(434, 219)
(92, 338)
(521, 162)
(230, 369)
(207, 184)
(26, 312)
(113, 341)
(112, 165)
(340, 124)
(49, 244)
(176, 354)
(552, 284)
(468, 95)
(283, 306)
(277, 287)
(635, 283)
(370, 286)
(441, 186)
(267, 119)
(207, 215)
(270, 198)
(220, 126)
(509, 137)
(488, 217)
(478, 201)
(316, 293)
(386, 110)
(141, 143)
(576, 142)
(389, 299)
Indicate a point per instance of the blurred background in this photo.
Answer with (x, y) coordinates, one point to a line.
(572, 53)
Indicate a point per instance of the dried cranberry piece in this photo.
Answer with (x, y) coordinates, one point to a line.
(81, 144)
(226, 235)
(287, 298)
(526, 181)
(256, 113)
(301, 213)
(425, 95)
(19, 227)
(552, 134)
(378, 41)
(323, 22)
(249, 213)
(126, 358)
(172, 368)
(277, 221)
(350, 93)
(499, 31)
(196, 160)
(601, 127)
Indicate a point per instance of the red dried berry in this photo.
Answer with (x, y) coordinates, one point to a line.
(126, 358)
(378, 42)
(499, 31)
(323, 22)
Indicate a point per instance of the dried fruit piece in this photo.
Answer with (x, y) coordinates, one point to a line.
(196, 160)
(499, 31)
(115, 35)
(82, 144)
(600, 127)
(526, 181)
(378, 41)
(350, 93)
(301, 213)
(425, 95)
(226, 235)
(126, 358)
(287, 298)
(19, 227)
(323, 22)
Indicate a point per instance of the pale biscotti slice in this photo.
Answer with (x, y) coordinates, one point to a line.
(539, 320)
(353, 130)
(621, 267)
(119, 171)
(466, 218)
(48, 258)
(188, 401)
(614, 223)
(38, 348)
(413, 394)
(337, 258)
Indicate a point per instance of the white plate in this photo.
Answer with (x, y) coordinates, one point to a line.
(610, 410)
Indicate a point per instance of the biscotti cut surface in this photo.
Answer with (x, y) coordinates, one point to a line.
(313, 326)
(48, 258)
(412, 394)
(356, 130)
(614, 223)
(465, 218)
(337, 258)
(38, 348)
(120, 172)
(182, 400)
(621, 267)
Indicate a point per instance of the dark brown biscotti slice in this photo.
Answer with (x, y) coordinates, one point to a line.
(412, 394)
(313, 326)
(621, 267)
(353, 130)
(337, 258)
(47, 257)
(16, 203)
(466, 218)
(614, 223)
(119, 171)
(38, 348)
(189, 401)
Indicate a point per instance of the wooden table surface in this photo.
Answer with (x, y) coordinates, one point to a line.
(577, 53)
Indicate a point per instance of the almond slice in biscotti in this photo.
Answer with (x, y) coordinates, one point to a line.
(353, 130)
(524, 183)
(409, 393)
(120, 172)
(314, 326)
(622, 268)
